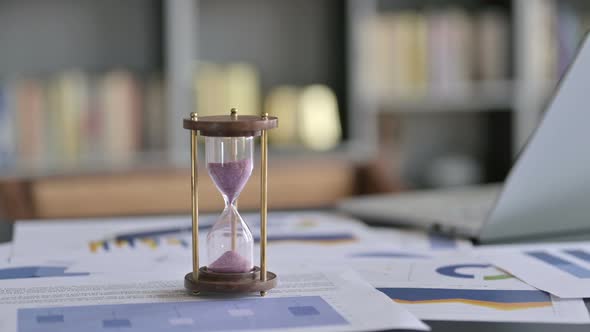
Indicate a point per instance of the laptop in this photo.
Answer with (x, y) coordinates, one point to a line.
(546, 195)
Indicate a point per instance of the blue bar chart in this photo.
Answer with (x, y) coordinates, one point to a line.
(211, 315)
(579, 254)
(567, 266)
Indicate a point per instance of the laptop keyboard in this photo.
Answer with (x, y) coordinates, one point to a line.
(464, 209)
(460, 210)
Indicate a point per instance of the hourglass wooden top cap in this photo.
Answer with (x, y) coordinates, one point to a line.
(232, 125)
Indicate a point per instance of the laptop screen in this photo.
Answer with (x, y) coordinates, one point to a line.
(548, 190)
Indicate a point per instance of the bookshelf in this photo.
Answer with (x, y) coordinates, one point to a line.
(481, 68)
(485, 87)
(485, 97)
(168, 42)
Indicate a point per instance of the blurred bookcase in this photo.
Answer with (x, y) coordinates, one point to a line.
(92, 94)
(84, 84)
(456, 86)
(424, 87)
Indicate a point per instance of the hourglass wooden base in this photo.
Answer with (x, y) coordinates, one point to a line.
(212, 282)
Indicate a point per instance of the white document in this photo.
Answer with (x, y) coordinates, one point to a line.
(166, 235)
(562, 269)
(416, 239)
(161, 234)
(466, 289)
(347, 253)
(92, 266)
(92, 236)
(332, 300)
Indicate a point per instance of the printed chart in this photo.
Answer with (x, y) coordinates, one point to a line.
(465, 288)
(489, 298)
(562, 269)
(472, 271)
(235, 315)
(155, 241)
(131, 243)
(564, 264)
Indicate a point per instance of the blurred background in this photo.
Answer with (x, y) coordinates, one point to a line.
(396, 94)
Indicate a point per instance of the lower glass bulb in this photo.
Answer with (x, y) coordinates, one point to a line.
(230, 245)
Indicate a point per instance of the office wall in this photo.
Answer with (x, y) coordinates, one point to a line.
(47, 36)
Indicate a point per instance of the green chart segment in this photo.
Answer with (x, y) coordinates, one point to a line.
(498, 277)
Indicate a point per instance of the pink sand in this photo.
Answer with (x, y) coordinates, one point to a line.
(230, 262)
(231, 177)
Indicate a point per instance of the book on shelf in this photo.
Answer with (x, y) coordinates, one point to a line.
(493, 30)
(71, 112)
(121, 104)
(29, 114)
(7, 137)
(154, 120)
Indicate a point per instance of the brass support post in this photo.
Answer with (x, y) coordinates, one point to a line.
(234, 149)
(263, 201)
(195, 200)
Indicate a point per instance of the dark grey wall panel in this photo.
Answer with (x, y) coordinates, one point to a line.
(46, 36)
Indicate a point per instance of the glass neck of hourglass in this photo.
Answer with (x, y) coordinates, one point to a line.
(233, 204)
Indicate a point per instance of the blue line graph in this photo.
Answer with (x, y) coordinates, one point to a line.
(211, 315)
(562, 264)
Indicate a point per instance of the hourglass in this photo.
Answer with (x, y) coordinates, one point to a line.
(229, 145)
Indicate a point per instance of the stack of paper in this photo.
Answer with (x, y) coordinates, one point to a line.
(335, 274)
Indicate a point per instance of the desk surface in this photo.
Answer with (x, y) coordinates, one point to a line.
(6, 235)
